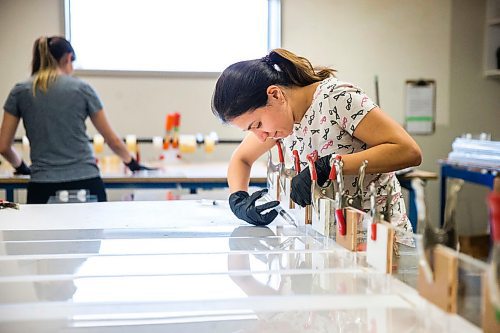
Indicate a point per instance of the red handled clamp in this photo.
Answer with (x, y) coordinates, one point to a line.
(315, 188)
(296, 160)
(356, 200)
(281, 166)
(373, 212)
(339, 196)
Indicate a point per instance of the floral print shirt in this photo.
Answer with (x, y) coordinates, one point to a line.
(328, 126)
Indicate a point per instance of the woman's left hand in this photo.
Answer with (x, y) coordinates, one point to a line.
(301, 184)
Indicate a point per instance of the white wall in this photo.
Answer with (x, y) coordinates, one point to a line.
(396, 40)
(362, 39)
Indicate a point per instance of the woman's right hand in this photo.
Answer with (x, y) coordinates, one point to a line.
(23, 169)
(133, 165)
(243, 206)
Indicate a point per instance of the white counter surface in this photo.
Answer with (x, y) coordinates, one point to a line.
(182, 266)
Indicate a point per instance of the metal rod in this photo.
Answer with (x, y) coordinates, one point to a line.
(150, 140)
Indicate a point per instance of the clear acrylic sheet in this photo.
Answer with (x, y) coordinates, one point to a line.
(219, 278)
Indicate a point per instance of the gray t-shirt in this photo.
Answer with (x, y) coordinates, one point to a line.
(55, 126)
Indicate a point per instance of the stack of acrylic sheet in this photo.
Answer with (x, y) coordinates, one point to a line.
(475, 152)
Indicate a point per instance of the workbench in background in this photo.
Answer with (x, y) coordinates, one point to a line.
(191, 176)
(194, 176)
(480, 175)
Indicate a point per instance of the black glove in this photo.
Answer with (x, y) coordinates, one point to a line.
(243, 206)
(133, 165)
(301, 184)
(23, 169)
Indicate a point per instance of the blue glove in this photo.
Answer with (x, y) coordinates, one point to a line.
(243, 206)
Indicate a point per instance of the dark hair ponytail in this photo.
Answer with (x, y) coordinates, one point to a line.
(242, 87)
(298, 71)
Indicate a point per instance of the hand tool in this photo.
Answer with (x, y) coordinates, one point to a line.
(432, 236)
(271, 170)
(330, 187)
(281, 167)
(315, 188)
(339, 196)
(373, 216)
(281, 211)
(356, 200)
(388, 200)
(296, 161)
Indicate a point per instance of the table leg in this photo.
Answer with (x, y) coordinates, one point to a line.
(442, 201)
(412, 214)
(481, 177)
(9, 194)
(412, 210)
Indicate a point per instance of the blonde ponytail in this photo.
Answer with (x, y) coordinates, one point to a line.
(44, 65)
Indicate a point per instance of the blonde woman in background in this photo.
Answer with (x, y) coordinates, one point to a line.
(54, 106)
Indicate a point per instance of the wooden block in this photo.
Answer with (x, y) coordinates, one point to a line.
(352, 219)
(489, 323)
(287, 201)
(308, 214)
(280, 196)
(379, 251)
(442, 291)
(477, 246)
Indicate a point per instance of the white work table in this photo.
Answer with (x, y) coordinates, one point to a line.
(184, 266)
(192, 176)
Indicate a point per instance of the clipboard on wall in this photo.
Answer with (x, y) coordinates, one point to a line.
(420, 106)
